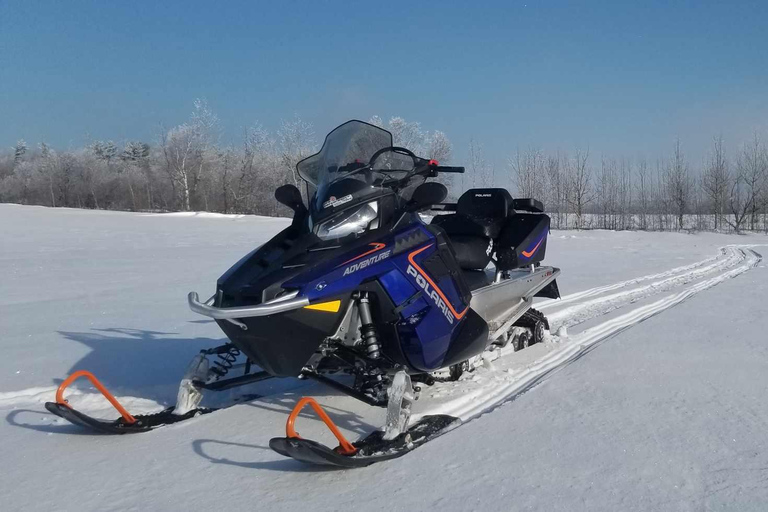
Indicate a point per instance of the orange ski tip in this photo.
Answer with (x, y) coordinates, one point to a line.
(98, 385)
(344, 448)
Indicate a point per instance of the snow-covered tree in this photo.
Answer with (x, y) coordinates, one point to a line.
(295, 141)
(19, 150)
(187, 149)
(440, 148)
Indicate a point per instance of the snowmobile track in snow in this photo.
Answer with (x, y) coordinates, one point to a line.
(587, 309)
(484, 398)
(574, 297)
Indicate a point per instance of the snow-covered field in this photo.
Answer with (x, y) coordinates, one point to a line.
(653, 397)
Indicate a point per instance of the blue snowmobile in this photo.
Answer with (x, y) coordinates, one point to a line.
(360, 293)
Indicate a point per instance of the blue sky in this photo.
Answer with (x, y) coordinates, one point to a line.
(621, 79)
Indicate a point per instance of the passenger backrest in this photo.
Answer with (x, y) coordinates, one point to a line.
(485, 203)
(523, 241)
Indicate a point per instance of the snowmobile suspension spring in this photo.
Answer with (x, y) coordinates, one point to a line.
(225, 361)
(367, 329)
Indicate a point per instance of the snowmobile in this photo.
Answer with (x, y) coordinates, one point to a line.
(361, 294)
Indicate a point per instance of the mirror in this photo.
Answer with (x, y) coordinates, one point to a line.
(426, 195)
(290, 196)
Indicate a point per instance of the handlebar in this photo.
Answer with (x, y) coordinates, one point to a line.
(447, 168)
(435, 168)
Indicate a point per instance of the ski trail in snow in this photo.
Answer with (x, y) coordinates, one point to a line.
(93, 402)
(582, 311)
(503, 386)
(12, 399)
(573, 297)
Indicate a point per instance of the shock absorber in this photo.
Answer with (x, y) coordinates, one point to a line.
(226, 355)
(367, 329)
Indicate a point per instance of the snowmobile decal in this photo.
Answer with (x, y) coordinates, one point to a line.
(329, 307)
(332, 201)
(365, 263)
(431, 289)
(377, 246)
(531, 252)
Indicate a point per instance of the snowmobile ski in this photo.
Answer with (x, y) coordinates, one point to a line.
(143, 422)
(369, 450)
(126, 424)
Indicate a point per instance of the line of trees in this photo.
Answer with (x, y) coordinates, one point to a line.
(724, 195)
(188, 168)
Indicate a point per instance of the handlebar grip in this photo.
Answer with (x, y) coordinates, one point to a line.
(446, 168)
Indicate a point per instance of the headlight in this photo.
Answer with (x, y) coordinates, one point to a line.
(354, 220)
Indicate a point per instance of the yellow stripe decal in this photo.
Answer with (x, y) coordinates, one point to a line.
(330, 307)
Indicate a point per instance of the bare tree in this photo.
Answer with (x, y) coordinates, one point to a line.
(661, 197)
(625, 197)
(529, 173)
(607, 195)
(643, 189)
(714, 181)
(480, 172)
(678, 184)
(579, 185)
(748, 184)
(556, 187)
(753, 165)
(739, 202)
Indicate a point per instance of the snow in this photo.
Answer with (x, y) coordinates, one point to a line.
(650, 394)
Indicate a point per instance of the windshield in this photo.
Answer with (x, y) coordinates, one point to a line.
(347, 148)
(351, 174)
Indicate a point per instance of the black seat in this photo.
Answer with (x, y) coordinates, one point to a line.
(481, 213)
